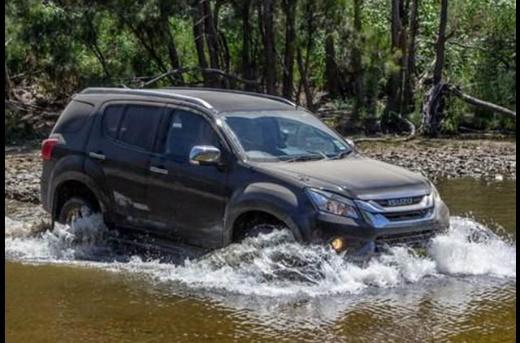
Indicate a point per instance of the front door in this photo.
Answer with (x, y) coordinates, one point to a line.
(188, 201)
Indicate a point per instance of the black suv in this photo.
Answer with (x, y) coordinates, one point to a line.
(208, 167)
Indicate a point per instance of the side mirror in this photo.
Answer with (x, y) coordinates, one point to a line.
(350, 142)
(204, 155)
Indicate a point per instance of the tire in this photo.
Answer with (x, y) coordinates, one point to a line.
(75, 208)
(259, 229)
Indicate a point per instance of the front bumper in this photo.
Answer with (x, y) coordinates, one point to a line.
(361, 237)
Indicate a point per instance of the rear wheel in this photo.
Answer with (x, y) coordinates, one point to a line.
(75, 208)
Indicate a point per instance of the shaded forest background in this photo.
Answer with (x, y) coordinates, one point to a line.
(368, 66)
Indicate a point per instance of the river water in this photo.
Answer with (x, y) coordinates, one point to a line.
(70, 286)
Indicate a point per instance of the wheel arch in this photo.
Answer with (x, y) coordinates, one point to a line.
(273, 201)
(73, 183)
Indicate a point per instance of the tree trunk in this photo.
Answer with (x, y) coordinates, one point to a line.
(359, 92)
(198, 36)
(410, 68)
(247, 65)
(432, 110)
(433, 106)
(211, 39)
(226, 56)
(304, 62)
(440, 44)
(221, 39)
(331, 68)
(8, 83)
(172, 49)
(304, 80)
(290, 37)
(392, 112)
(269, 49)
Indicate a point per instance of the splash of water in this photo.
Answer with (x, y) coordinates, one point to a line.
(275, 265)
(80, 240)
(472, 249)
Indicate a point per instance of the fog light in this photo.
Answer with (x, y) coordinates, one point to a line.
(337, 244)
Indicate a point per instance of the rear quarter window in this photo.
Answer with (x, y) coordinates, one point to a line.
(74, 117)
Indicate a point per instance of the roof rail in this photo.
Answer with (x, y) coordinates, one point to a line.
(261, 95)
(158, 93)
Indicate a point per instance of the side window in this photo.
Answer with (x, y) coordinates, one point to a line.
(111, 118)
(132, 124)
(186, 130)
(138, 125)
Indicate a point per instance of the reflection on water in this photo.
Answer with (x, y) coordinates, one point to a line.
(270, 288)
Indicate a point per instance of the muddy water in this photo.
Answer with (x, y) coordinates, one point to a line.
(71, 286)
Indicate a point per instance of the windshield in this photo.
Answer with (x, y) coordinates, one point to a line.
(284, 136)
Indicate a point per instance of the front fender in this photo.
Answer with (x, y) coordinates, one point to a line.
(274, 199)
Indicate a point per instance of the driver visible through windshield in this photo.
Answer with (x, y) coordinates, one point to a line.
(284, 136)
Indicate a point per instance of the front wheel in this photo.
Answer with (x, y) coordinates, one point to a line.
(265, 229)
(262, 229)
(75, 208)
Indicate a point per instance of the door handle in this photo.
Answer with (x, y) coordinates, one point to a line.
(158, 170)
(96, 155)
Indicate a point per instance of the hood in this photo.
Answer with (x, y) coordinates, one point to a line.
(356, 176)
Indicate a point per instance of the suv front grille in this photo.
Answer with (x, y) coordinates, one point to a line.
(399, 201)
(408, 215)
(394, 211)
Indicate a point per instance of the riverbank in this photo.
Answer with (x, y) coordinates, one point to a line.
(435, 158)
(449, 158)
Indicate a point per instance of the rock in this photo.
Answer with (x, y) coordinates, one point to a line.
(449, 158)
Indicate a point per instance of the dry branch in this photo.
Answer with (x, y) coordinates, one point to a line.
(478, 102)
(204, 71)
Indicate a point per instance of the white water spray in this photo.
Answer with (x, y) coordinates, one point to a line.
(274, 265)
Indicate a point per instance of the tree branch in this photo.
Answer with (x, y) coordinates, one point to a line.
(204, 70)
(479, 103)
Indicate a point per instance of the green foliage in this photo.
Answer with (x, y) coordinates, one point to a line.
(482, 59)
(65, 45)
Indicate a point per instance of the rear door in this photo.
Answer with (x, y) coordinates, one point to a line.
(188, 201)
(124, 137)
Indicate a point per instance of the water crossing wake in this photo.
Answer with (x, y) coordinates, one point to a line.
(274, 265)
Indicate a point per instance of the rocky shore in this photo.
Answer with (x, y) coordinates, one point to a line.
(447, 158)
(439, 158)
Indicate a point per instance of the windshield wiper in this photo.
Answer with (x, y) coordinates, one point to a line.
(306, 158)
(342, 154)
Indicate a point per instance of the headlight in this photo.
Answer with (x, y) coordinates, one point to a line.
(435, 192)
(332, 203)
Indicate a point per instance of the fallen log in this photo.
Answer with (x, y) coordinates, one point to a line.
(433, 106)
(478, 102)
